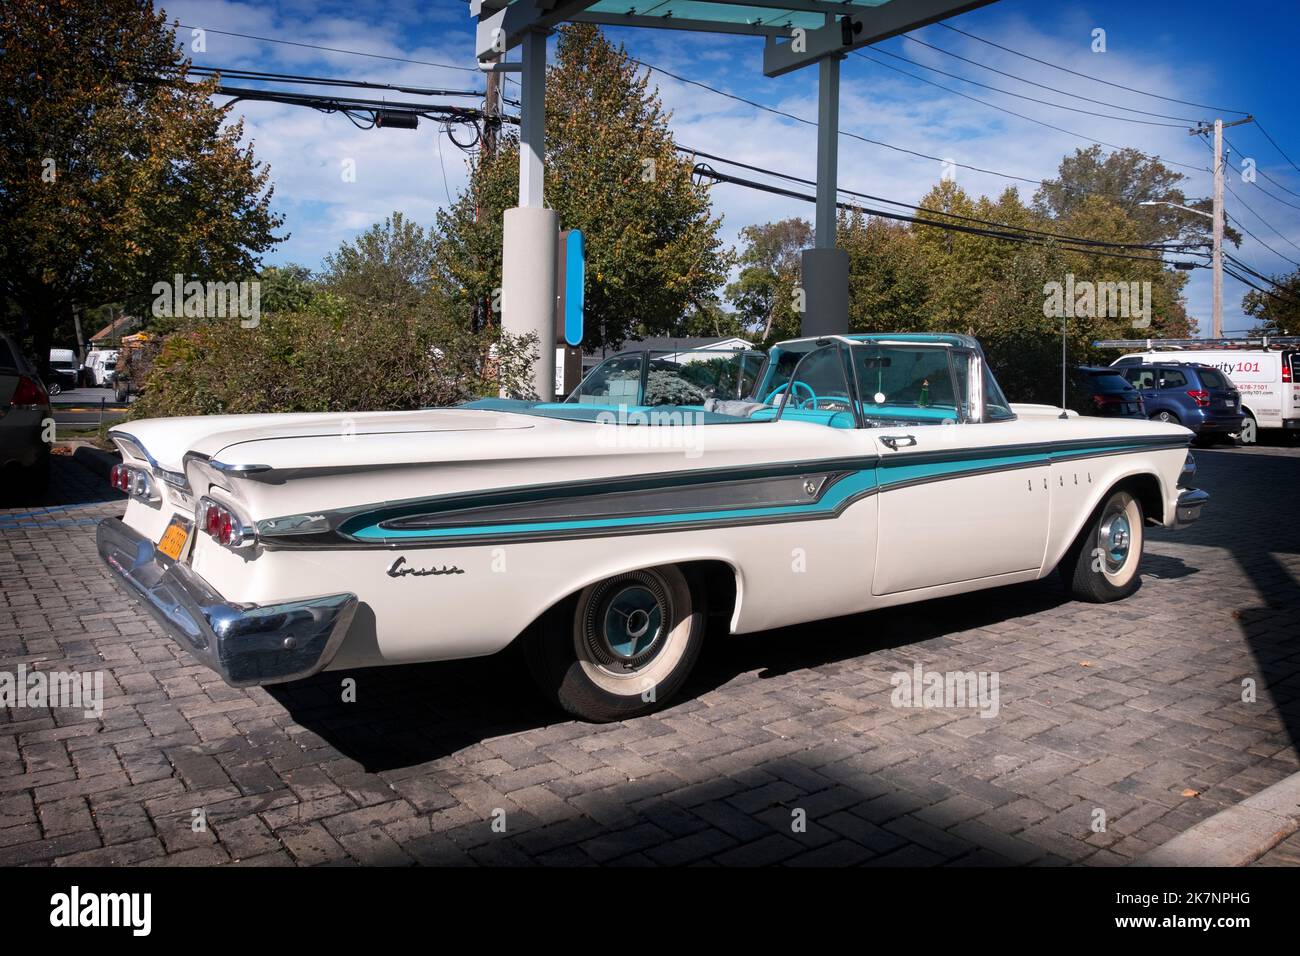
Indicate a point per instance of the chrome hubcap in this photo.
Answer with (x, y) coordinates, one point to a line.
(626, 621)
(1115, 537)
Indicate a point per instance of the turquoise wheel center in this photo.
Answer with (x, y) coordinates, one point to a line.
(1117, 538)
(633, 620)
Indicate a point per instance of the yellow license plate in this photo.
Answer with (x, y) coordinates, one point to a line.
(174, 538)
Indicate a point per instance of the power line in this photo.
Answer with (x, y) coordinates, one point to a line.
(330, 49)
(808, 122)
(1118, 86)
(262, 76)
(1251, 210)
(1257, 274)
(1277, 147)
(707, 171)
(1032, 99)
(1272, 295)
(1241, 225)
(1155, 247)
(1042, 86)
(1059, 129)
(1266, 176)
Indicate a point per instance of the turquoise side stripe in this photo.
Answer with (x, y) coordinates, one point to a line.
(853, 484)
(884, 475)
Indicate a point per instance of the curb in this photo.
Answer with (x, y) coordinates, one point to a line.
(1236, 836)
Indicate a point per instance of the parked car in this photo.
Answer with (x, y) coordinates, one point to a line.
(24, 412)
(1267, 378)
(63, 371)
(1197, 396)
(859, 472)
(1104, 392)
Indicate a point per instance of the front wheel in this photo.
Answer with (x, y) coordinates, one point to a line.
(1102, 565)
(621, 647)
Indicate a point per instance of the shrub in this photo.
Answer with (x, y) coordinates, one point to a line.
(331, 359)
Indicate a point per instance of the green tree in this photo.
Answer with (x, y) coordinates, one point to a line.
(1129, 178)
(1276, 311)
(110, 178)
(612, 170)
(287, 288)
(765, 290)
(387, 268)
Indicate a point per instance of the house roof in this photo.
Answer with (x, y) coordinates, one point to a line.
(115, 328)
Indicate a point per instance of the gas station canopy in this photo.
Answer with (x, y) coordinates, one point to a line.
(827, 26)
(795, 33)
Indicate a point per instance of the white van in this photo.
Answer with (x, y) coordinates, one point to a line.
(100, 364)
(1268, 378)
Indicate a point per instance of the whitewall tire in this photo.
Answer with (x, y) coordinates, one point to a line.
(621, 647)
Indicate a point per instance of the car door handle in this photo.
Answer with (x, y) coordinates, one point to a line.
(892, 442)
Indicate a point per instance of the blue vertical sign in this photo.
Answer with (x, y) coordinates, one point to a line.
(575, 281)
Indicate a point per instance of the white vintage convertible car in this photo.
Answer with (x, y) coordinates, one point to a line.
(832, 476)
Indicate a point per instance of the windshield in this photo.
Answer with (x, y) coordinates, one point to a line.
(668, 378)
(913, 376)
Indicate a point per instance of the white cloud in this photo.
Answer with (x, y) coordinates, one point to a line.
(399, 169)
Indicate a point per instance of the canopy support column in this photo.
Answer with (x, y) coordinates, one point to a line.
(825, 268)
(531, 231)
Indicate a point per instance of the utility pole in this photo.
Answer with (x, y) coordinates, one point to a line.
(1217, 255)
(491, 113)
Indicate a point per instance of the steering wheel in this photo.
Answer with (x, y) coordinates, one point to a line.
(794, 386)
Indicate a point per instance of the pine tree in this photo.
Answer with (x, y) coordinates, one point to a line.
(612, 170)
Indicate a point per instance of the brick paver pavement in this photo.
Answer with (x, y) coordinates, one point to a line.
(1134, 710)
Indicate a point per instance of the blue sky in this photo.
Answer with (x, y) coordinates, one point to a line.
(1234, 57)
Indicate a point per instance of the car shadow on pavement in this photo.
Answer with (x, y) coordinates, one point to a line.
(1165, 567)
(408, 715)
(1255, 533)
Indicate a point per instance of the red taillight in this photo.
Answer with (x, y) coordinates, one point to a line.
(1286, 372)
(1200, 396)
(29, 392)
(223, 525)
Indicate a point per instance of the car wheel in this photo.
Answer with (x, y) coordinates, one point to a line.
(1169, 418)
(1102, 565)
(54, 388)
(621, 647)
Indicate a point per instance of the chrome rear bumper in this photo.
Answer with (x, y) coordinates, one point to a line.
(1190, 503)
(244, 643)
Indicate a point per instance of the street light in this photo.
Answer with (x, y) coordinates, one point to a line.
(1161, 202)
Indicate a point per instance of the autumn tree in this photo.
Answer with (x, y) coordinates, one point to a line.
(612, 170)
(1276, 310)
(116, 170)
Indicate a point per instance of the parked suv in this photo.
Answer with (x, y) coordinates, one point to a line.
(1190, 394)
(1105, 392)
(24, 411)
